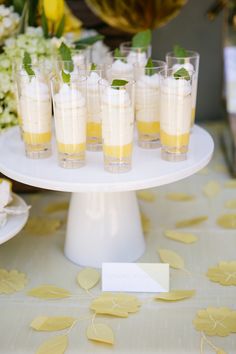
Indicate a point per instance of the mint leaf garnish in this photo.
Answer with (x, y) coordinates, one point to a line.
(89, 40)
(150, 66)
(117, 84)
(66, 56)
(142, 39)
(119, 55)
(27, 64)
(93, 67)
(65, 77)
(179, 51)
(182, 73)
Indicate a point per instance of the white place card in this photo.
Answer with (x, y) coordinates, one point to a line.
(135, 277)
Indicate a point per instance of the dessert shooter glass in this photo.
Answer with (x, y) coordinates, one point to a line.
(147, 104)
(117, 67)
(175, 115)
(117, 109)
(190, 63)
(94, 122)
(81, 55)
(70, 113)
(136, 55)
(35, 109)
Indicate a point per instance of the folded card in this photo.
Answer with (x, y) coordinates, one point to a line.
(135, 277)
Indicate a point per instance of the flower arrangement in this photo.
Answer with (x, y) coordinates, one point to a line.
(9, 22)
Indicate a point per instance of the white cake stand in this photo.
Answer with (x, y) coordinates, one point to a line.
(104, 221)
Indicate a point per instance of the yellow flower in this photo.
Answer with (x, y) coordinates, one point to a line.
(54, 9)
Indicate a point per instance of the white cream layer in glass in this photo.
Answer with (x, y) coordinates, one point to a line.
(35, 105)
(190, 68)
(137, 58)
(147, 98)
(120, 70)
(70, 116)
(176, 106)
(117, 117)
(93, 100)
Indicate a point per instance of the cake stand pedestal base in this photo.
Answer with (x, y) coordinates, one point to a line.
(104, 227)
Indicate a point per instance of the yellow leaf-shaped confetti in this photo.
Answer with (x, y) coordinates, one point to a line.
(172, 258)
(49, 292)
(191, 222)
(12, 281)
(38, 226)
(204, 171)
(184, 237)
(146, 224)
(54, 345)
(180, 197)
(220, 351)
(216, 321)
(227, 221)
(44, 323)
(100, 332)
(231, 204)
(220, 168)
(211, 189)
(230, 183)
(224, 273)
(175, 295)
(87, 278)
(119, 305)
(147, 196)
(56, 207)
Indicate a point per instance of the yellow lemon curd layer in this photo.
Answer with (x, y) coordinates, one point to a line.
(37, 138)
(70, 148)
(193, 116)
(174, 140)
(94, 130)
(148, 127)
(118, 152)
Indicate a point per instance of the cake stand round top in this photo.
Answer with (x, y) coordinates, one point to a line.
(148, 169)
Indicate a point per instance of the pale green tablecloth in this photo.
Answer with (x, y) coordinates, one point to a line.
(158, 327)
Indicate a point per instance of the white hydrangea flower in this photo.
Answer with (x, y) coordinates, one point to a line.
(9, 22)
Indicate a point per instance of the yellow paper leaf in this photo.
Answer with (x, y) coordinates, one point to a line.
(172, 258)
(87, 278)
(146, 195)
(227, 221)
(49, 292)
(12, 281)
(146, 224)
(56, 207)
(224, 273)
(184, 237)
(216, 321)
(119, 305)
(38, 226)
(100, 332)
(44, 323)
(54, 345)
(180, 197)
(204, 171)
(231, 204)
(230, 183)
(220, 351)
(191, 222)
(175, 295)
(211, 189)
(220, 168)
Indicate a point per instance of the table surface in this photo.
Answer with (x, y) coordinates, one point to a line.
(158, 327)
(149, 170)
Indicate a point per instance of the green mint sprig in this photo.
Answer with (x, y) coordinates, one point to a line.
(27, 64)
(142, 39)
(65, 54)
(150, 67)
(182, 73)
(179, 51)
(93, 67)
(89, 40)
(119, 55)
(117, 84)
